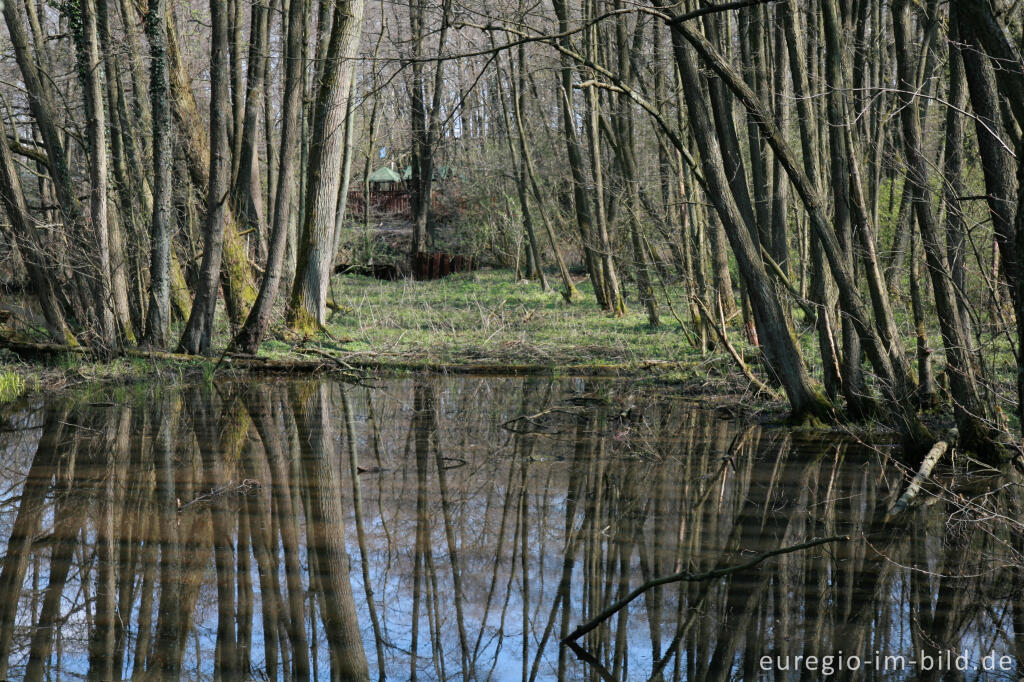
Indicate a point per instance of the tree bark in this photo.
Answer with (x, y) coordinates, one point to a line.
(895, 383)
(158, 317)
(781, 352)
(581, 198)
(249, 337)
(41, 271)
(307, 311)
(196, 141)
(968, 407)
(198, 334)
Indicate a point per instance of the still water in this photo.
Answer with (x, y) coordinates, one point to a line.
(459, 528)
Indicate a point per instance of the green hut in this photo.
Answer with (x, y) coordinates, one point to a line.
(384, 179)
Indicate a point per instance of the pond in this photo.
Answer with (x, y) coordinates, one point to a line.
(439, 528)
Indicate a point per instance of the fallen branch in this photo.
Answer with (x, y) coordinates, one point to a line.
(247, 487)
(721, 334)
(532, 419)
(907, 498)
(692, 577)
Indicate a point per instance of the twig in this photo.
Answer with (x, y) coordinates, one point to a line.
(246, 487)
(693, 577)
(532, 419)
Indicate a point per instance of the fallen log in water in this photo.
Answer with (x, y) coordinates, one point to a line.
(907, 498)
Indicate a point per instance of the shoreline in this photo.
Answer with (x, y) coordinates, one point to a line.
(46, 367)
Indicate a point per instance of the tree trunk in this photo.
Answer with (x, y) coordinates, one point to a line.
(996, 160)
(780, 350)
(248, 190)
(854, 388)
(307, 310)
(196, 141)
(574, 152)
(968, 407)
(249, 337)
(87, 44)
(953, 185)
(612, 291)
(895, 383)
(158, 319)
(198, 334)
(41, 102)
(40, 269)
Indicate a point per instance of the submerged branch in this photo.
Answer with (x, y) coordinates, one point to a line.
(691, 577)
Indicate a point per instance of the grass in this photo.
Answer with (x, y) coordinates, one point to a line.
(12, 385)
(487, 318)
(482, 321)
(486, 321)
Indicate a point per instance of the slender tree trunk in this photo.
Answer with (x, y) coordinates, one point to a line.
(198, 334)
(249, 337)
(854, 388)
(41, 271)
(968, 407)
(781, 352)
(626, 152)
(346, 166)
(87, 43)
(535, 266)
(612, 292)
(925, 377)
(196, 144)
(307, 310)
(41, 100)
(574, 151)
(248, 190)
(953, 185)
(780, 187)
(158, 318)
(270, 85)
(121, 213)
(997, 161)
(424, 121)
(569, 292)
(894, 382)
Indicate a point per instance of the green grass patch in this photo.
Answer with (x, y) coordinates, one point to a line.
(487, 317)
(12, 385)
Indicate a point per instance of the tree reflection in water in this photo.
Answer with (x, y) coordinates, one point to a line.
(459, 528)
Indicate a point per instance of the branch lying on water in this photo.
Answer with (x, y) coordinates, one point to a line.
(246, 487)
(610, 611)
(907, 498)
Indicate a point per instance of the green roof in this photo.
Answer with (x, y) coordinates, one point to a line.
(440, 172)
(384, 174)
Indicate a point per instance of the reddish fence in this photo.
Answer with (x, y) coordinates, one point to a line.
(391, 202)
(437, 265)
(425, 266)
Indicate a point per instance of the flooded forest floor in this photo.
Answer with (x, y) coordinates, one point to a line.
(482, 322)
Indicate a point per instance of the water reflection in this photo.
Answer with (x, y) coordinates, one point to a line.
(440, 529)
